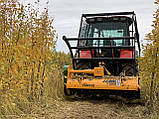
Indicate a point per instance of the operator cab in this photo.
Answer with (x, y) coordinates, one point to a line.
(108, 27)
(100, 27)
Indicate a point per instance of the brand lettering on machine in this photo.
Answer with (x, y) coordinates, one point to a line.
(88, 85)
(109, 81)
(112, 82)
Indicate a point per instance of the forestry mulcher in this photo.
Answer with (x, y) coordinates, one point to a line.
(104, 56)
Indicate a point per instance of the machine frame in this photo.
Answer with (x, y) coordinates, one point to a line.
(87, 79)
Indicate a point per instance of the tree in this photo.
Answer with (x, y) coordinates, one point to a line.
(149, 63)
(27, 40)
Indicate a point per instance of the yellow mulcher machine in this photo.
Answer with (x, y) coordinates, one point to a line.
(104, 56)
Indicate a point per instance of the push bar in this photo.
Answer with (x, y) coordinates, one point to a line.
(103, 38)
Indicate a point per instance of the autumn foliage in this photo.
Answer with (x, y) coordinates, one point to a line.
(149, 64)
(28, 59)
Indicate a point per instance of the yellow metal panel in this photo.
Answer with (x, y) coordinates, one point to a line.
(102, 82)
(116, 83)
(98, 71)
(87, 71)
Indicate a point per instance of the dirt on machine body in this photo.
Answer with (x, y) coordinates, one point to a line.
(104, 56)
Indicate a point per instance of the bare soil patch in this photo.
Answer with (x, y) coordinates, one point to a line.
(99, 108)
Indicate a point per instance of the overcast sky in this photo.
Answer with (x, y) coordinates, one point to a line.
(67, 13)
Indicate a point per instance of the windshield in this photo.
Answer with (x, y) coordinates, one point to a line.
(108, 29)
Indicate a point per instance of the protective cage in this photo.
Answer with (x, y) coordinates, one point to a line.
(120, 57)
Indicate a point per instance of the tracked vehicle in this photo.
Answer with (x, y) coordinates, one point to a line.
(104, 56)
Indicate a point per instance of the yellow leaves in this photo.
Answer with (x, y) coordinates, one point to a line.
(3, 106)
(153, 31)
(149, 62)
(27, 41)
(46, 79)
(13, 104)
